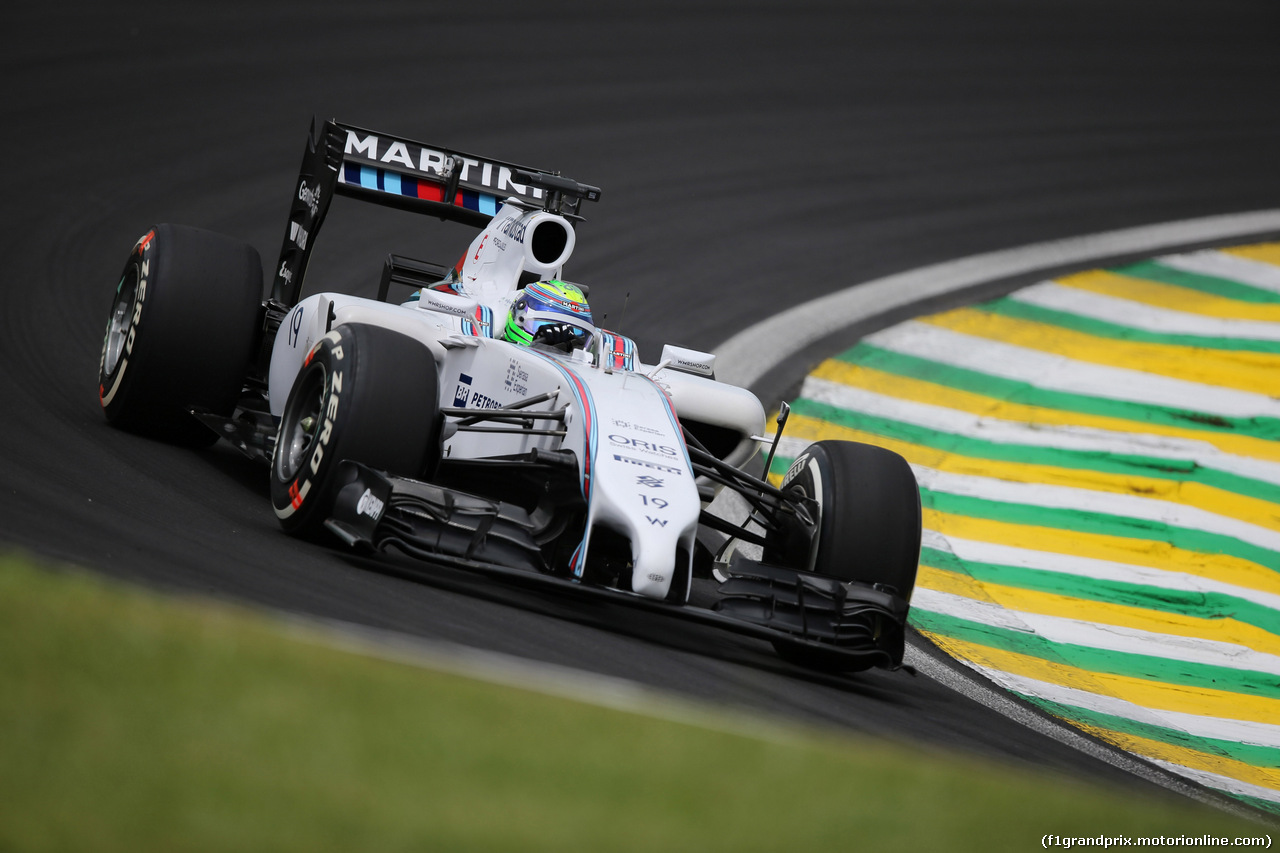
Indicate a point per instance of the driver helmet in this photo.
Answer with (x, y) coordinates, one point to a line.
(551, 312)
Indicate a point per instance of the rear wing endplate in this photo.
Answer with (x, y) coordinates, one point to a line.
(397, 172)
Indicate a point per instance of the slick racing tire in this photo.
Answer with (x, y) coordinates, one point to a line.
(869, 525)
(181, 333)
(365, 394)
(869, 507)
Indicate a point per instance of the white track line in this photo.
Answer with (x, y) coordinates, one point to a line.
(1095, 635)
(1053, 372)
(1056, 436)
(1139, 315)
(1222, 783)
(973, 551)
(1223, 265)
(747, 356)
(1095, 501)
(1198, 725)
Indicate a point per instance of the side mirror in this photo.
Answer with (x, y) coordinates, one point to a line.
(689, 361)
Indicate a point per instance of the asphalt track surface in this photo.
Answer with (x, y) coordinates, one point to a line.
(751, 156)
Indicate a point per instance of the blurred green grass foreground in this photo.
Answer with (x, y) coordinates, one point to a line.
(134, 721)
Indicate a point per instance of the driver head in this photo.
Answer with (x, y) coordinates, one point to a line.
(552, 312)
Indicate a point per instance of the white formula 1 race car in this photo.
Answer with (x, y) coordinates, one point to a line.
(482, 421)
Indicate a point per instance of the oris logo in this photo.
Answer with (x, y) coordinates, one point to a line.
(642, 445)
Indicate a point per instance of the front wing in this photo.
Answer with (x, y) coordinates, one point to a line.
(853, 625)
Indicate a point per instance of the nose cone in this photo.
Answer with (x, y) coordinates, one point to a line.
(642, 483)
(652, 571)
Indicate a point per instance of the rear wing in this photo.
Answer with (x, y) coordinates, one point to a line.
(397, 172)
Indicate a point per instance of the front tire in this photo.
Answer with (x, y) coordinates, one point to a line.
(364, 394)
(181, 332)
(869, 506)
(868, 530)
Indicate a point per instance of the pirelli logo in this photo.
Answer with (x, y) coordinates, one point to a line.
(631, 460)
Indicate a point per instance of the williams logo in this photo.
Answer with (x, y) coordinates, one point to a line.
(513, 227)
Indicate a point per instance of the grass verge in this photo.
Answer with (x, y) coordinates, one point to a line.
(129, 720)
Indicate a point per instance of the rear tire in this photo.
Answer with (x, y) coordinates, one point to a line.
(365, 394)
(868, 528)
(181, 333)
